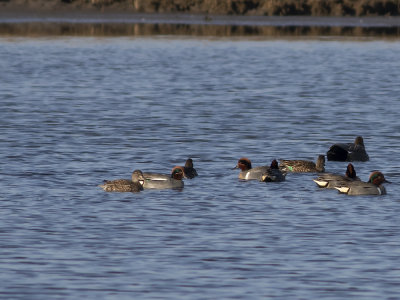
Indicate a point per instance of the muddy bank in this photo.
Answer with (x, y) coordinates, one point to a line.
(217, 7)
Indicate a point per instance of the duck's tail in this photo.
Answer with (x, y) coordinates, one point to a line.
(321, 183)
(343, 189)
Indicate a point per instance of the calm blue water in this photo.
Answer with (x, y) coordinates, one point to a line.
(75, 111)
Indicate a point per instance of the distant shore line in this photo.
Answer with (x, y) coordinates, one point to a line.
(316, 8)
(111, 20)
(37, 29)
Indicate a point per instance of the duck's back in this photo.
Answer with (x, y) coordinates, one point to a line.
(347, 152)
(363, 188)
(162, 183)
(273, 175)
(357, 153)
(330, 181)
(254, 173)
(121, 185)
(156, 176)
(190, 172)
(297, 166)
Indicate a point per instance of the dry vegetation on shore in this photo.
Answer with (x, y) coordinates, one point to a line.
(223, 7)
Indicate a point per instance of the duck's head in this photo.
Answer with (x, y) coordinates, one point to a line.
(137, 176)
(243, 164)
(320, 164)
(274, 164)
(177, 173)
(351, 172)
(189, 163)
(359, 141)
(377, 178)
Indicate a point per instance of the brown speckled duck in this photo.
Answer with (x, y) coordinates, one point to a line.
(135, 184)
(302, 166)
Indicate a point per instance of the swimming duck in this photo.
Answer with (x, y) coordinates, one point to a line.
(189, 171)
(248, 172)
(273, 174)
(348, 151)
(125, 185)
(372, 187)
(162, 181)
(330, 181)
(301, 166)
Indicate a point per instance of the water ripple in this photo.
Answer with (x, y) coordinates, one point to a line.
(76, 111)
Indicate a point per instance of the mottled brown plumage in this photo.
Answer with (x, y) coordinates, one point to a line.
(302, 166)
(135, 184)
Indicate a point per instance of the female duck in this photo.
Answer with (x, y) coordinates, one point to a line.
(330, 181)
(348, 151)
(162, 181)
(125, 185)
(189, 171)
(372, 187)
(302, 166)
(273, 174)
(248, 172)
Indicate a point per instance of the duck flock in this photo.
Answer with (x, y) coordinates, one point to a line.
(348, 183)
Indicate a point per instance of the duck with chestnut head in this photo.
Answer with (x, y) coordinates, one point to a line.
(247, 172)
(374, 186)
(164, 181)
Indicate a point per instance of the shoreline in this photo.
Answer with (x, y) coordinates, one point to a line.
(108, 17)
(94, 22)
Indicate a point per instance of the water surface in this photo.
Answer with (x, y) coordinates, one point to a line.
(75, 111)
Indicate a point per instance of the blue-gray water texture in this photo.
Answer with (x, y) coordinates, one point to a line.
(76, 111)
